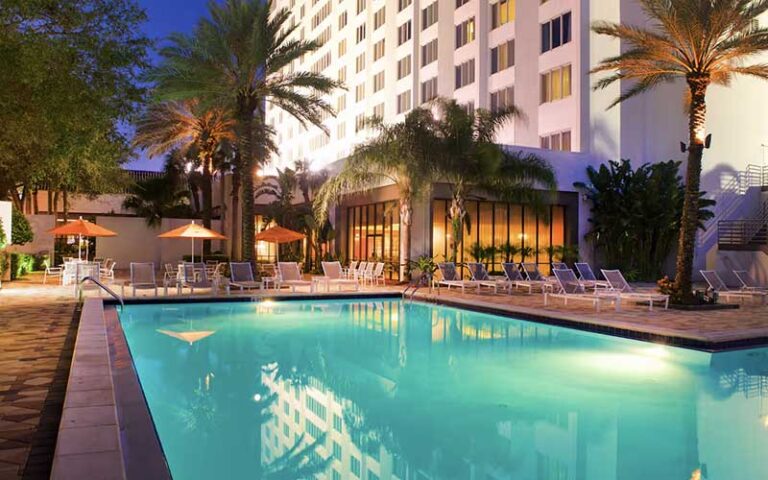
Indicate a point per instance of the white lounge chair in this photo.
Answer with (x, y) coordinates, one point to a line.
(748, 282)
(241, 276)
(195, 276)
(479, 274)
(107, 271)
(351, 270)
(83, 270)
(334, 275)
(367, 274)
(559, 266)
(142, 277)
(571, 289)
(587, 277)
(718, 285)
(360, 272)
(515, 279)
(617, 283)
(290, 276)
(451, 278)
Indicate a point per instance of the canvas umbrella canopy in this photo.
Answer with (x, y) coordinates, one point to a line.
(278, 234)
(193, 231)
(81, 228)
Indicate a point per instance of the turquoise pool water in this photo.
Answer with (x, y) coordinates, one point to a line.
(383, 389)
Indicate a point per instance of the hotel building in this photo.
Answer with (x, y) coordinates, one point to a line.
(394, 55)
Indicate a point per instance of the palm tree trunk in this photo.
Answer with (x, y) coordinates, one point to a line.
(234, 238)
(207, 191)
(406, 219)
(457, 213)
(247, 164)
(690, 219)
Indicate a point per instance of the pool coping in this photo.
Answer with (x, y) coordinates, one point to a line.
(711, 343)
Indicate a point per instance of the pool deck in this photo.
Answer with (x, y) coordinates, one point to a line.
(38, 339)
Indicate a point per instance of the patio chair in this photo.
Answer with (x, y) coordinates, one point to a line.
(367, 274)
(515, 279)
(617, 283)
(195, 275)
(83, 270)
(334, 275)
(142, 277)
(351, 270)
(108, 270)
(478, 273)
(559, 266)
(268, 275)
(241, 276)
(718, 285)
(377, 273)
(290, 276)
(748, 282)
(451, 278)
(571, 289)
(55, 272)
(360, 272)
(588, 278)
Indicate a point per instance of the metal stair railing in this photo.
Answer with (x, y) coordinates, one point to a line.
(109, 291)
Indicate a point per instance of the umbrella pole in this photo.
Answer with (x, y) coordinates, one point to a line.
(193, 249)
(79, 246)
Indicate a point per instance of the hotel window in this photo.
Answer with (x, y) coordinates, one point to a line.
(429, 53)
(360, 33)
(378, 111)
(341, 103)
(403, 33)
(360, 6)
(401, 4)
(360, 92)
(323, 38)
(556, 32)
(404, 102)
(502, 12)
(461, 2)
(465, 73)
(556, 84)
(336, 475)
(343, 74)
(373, 231)
(378, 49)
(354, 465)
(359, 122)
(502, 99)
(495, 224)
(404, 67)
(336, 451)
(428, 90)
(469, 108)
(379, 18)
(325, 10)
(341, 131)
(342, 47)
(429, 15)
(360, 63)
(503, 56)
(342, 20)
(378, 82)
(557, 141)
(465, 32)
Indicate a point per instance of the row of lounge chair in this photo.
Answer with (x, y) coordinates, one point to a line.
(749, 289)
(564, 285)
(194, 276)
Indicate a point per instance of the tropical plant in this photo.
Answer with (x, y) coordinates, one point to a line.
(318, 234)
(401, 154)
(282, 209)
(527, 252)
(309, 180)
(636, 214)
(508, 251)
(704, 42)
(198, 134)
(240, 57)
(566, 253)
(3, 239)
(156, 198)
(471, 161)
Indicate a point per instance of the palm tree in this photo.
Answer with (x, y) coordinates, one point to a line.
(399, 154)
(703, 42)
(241, 57)
(471, 161)
(156, 198)
(309, 180)
(196, 133)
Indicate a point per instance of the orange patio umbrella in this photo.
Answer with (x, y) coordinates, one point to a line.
(81, 228)
(193, 231)
(278, 234)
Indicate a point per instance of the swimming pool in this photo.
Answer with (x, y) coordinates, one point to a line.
(384, 389)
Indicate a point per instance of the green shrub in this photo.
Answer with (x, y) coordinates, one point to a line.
(21, 231)
(21, 264)
(2, 234)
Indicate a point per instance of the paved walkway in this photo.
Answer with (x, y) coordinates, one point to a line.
(35, 328)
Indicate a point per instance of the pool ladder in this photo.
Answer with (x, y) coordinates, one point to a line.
(109, 291)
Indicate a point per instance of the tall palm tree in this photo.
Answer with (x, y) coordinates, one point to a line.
(241, 57)
(471, 161)
(194, 132)
(399, 154)
(703, 42)
(156, 198)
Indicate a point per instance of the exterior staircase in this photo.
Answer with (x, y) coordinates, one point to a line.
(737, 225)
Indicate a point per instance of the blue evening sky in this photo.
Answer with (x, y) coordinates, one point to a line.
(165, 17)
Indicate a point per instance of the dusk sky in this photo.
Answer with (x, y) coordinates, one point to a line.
(166, 16)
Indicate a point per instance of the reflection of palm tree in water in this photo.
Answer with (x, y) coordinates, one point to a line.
(199, 413)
